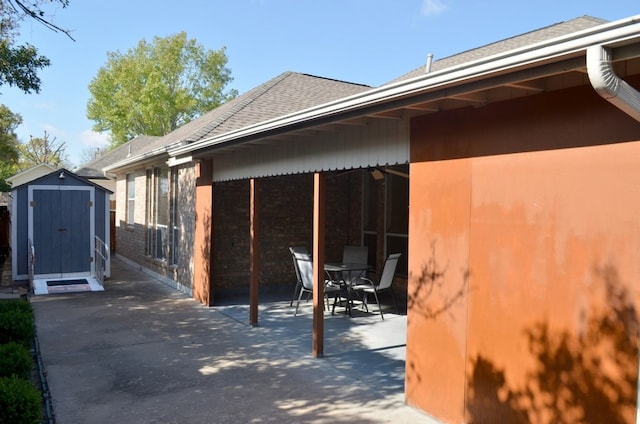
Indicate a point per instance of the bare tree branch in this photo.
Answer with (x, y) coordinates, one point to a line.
(38, 14)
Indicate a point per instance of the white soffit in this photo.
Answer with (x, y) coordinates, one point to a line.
(378, 143)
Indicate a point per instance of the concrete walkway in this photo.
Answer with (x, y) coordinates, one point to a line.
(140, 352)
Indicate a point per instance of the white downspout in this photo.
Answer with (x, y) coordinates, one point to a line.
(617, 92)
(608, 85)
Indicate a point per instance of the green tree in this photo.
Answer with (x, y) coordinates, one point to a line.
(19, 65)
(42, 150)
(9, 152)
(157, 87)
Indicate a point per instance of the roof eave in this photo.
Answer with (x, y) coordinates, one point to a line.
(613, 34)
(148, 157)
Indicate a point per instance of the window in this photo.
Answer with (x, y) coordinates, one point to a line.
(160, 210)
(397, 219)
(174, 217)
(150, 216)
(131, 199)
(386, 216)
(370, 218)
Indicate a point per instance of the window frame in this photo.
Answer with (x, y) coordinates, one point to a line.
(130, 215)
(159, 240)
(377, 232)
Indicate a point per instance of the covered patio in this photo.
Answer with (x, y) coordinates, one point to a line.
(267, 216)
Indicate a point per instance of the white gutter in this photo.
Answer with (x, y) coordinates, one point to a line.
(150, 155)
(608, 85)
(614, 33)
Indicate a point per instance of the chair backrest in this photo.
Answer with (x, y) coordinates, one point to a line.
(355, 254)
(389, 271)
(305, 267)
(294, 250)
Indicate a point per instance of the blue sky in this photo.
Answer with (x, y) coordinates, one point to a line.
(363, 41)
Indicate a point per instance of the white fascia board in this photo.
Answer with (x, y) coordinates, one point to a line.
(611, 34)
(175, 161)
(134, 160)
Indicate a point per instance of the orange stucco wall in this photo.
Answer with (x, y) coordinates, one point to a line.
(523, 255)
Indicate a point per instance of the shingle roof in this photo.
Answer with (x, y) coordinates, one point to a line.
(292, 92)
(532, 37)
(288, 92)
(135, 146)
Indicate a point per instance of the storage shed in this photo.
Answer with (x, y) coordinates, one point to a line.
(60, 232)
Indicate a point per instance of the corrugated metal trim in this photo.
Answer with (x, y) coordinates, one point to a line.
(381, 142)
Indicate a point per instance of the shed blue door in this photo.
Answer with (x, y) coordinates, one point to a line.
(61, 231)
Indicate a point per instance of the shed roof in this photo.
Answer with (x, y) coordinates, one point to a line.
(67, 174)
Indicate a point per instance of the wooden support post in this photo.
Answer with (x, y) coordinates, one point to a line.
(254, 253)
(318, 264)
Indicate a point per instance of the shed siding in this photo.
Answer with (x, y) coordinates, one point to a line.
(19, 252)
(21, 230)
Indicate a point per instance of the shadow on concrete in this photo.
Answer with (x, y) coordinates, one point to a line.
(142, 352)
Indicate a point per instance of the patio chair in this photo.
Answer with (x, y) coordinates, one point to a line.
(293, 250)
(355, 255)
(305, 267)
(386, 279)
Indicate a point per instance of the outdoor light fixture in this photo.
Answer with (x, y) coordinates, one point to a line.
(61, 176)
(377, 174)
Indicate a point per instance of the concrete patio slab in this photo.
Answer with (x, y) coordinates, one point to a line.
(142, 352)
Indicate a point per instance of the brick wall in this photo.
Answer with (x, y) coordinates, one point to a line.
(132, 239)
(230, 267)
(286, 219)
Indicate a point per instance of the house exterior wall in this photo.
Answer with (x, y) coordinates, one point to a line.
(230, 255)
(132, 238)
(524, 223)
(286, 215)
(286, 219)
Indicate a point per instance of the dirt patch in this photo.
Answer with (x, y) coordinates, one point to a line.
(8, 287)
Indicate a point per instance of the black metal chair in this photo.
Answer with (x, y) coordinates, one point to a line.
(386, 280)
(305, 267)
(294, 250)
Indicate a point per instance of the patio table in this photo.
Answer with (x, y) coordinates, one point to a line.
(337, 268)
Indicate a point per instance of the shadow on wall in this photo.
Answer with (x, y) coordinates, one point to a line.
(206, 291)
(428, 297)
(436, 292)
(588, 378)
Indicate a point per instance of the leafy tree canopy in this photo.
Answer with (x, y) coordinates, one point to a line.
(9, 152)
(157, 87)
(19, 64)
